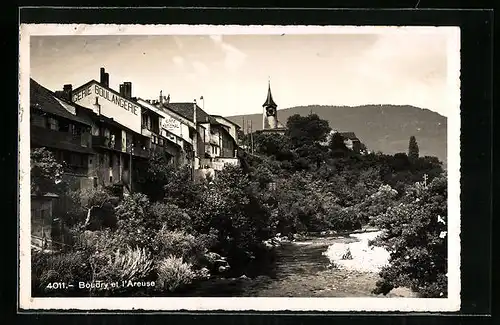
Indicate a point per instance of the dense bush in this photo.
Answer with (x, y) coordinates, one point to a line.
(233, 208)
(48, 268)
(179, 244)
(415, 233)
(122, 265)
(169, 216)
(174, 273)
(100, 240)
(135, 225)
(46, 173)
(274, 145)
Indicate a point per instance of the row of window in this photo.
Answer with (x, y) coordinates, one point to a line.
(111, 139)
(215, 150)
(158, 140)
(57, 125)
(78, 160)
(147, 123)
(112, 159)
(73, 159)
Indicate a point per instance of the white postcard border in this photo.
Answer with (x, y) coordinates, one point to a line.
(26, 302)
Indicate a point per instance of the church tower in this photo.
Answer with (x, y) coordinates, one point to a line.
(270, 113)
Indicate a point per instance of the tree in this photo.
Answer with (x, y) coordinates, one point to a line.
(413, 148)
(314, 153)
(46, 172)
(415, 232)
(180, 190)
(306, 129)
(272, 145)
(400, 162)
(134, 221)
(98, 205)
(156, 175)
(233, 207)
(337, 145)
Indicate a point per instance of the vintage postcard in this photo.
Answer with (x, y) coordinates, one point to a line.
(239, 168)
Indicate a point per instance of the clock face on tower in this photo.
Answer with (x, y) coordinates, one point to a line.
(271, 111)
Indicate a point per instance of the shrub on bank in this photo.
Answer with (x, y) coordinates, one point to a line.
(174, 273)
(132, 264)
(105, 240)
(169, 216)
(47, 268)
(178, 244)
(416, 235)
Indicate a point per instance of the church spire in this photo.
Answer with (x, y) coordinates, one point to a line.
(269, 100)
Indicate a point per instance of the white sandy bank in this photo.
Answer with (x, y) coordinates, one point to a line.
(365, 258)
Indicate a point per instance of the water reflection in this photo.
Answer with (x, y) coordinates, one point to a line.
(291, 263)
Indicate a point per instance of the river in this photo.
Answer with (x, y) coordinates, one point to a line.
(298, 269)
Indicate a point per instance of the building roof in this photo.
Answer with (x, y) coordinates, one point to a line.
(186, 110)
(144, 107)
(269, 100)
(164, 108)
(224, 130)
(228, 120)
(349, 135)
(45, 100)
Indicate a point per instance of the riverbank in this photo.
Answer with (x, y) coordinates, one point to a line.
(359, 255)
(303, 268)
(299, 268)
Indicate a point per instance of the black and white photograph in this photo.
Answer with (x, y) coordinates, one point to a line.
(176, 167)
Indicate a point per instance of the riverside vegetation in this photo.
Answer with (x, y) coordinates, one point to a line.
(175, 232)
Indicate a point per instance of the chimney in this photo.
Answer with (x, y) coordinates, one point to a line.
(103, 76)
(161, 96)
(106, 79)
(67, 90)
(122, 90)
(128, 89)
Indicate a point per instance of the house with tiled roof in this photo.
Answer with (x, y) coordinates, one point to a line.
(123, 132)
(233, 127)
(55, 125)
(351, 141)
(216, 136)
(177, 131)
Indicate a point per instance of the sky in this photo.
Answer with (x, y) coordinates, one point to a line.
(231, 72)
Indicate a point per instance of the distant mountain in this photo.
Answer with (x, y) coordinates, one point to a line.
(385, 128)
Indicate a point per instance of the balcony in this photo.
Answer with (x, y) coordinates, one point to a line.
(99, 141)
(58, 139)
